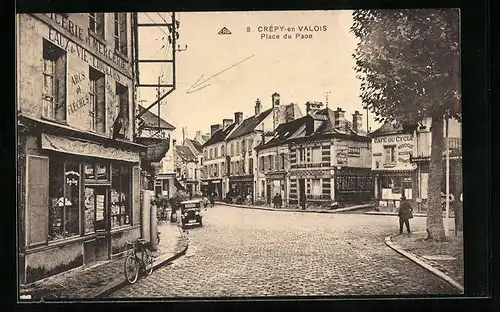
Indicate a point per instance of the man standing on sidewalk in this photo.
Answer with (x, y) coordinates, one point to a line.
(405, 214)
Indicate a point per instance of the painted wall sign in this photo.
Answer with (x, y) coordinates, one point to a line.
(406, 145)
(72, 47)
(377, 154)
(82, 35)
(394, 139)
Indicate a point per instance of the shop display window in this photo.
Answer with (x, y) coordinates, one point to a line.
(96, 172)
(120, 196)
(64, 194)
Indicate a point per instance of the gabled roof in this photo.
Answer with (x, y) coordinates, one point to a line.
(248, 125)
(151, 120)
(286, 131)
(219, 135)
(185, 153)
(196, 145)
(390, 127)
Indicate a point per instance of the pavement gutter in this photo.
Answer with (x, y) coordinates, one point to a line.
(159, 262)
(423, 264)
(299, 210)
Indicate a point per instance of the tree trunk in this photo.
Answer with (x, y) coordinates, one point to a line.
(435, 228)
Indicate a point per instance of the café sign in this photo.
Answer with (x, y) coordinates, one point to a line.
(394, 139)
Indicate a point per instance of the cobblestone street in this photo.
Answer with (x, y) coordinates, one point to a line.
(243, 252)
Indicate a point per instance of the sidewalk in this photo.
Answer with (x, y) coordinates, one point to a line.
(300, 210)
(105, 277)
(444, 259)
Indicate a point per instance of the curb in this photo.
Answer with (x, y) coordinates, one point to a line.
(157, 264)
(380, 213)
(426, 266)
(299, 210)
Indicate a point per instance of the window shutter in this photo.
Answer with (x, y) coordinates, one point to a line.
(37, 204)
(99, 19)
(60, 92)
(101, 105)
(123, 32)
(136, 195)
(266, 164)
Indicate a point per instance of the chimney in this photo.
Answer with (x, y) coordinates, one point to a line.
(313, 107)
(339, 115)
(198, 136)
(238, 117)
(214, 128)
(357, 121)
(226, 122)
(276, 99)
(258, 107)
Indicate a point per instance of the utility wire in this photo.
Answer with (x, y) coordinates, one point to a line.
(155, 23)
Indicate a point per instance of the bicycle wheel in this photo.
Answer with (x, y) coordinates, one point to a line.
(148, 261)
(131, 269)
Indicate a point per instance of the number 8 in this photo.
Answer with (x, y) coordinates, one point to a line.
(248, 29)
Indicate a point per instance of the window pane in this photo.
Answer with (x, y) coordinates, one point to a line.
(125, 195)
(89, 215)
(48, 86)
(48, 66)
(102, 172)
(115, 197)
(72, 199)
(56, 194)
(89, 172)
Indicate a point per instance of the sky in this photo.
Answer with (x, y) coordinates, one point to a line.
(299, 69)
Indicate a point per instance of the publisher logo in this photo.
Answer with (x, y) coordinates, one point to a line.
(224, 31)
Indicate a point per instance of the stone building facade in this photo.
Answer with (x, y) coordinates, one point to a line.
(79, 170)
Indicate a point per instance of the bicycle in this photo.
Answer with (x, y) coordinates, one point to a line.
(134, 263)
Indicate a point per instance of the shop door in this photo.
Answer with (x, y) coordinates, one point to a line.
(302, 193)
(268, 192)
(102, 242)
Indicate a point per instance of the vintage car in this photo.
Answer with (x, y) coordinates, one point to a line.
(191, 212)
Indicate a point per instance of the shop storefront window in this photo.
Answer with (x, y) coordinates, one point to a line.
(120, 196)
(96, 172)
(64, 193)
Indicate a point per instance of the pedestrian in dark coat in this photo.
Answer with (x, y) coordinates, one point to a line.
(405, 214)
(212, 199)
(276, 201)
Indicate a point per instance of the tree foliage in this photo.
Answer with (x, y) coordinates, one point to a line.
(408, 62)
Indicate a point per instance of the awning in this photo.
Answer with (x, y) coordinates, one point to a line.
(178, 185)
(84, 148)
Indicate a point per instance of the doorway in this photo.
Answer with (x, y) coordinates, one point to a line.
(268, 194)
(97, 211)
(302, 193)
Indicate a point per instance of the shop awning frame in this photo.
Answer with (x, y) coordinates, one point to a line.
(79, 147)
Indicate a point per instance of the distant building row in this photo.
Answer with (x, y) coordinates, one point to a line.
(315, 159)
(321, 158)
